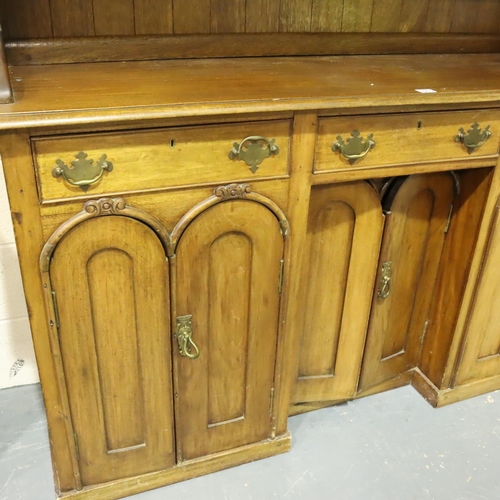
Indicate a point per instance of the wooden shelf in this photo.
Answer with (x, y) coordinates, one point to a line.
(68, 94)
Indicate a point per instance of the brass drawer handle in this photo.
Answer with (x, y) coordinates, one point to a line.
(254, 150)
(355, 148)
(185, 337)
(474, 138)
(384, 287)
(83, 172)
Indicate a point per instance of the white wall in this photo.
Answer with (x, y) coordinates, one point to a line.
(17, 359)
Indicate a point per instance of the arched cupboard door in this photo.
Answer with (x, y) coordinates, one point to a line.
(226, 275)
(110, 281)
(417, 214)
(344, 234)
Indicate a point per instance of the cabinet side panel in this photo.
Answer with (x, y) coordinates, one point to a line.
(22, 190)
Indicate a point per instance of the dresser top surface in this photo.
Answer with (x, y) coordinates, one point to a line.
(68, 94)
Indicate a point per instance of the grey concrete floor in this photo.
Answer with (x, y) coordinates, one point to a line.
(391, 446)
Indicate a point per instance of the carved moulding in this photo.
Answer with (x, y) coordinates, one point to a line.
(222, 194)
(100, 208)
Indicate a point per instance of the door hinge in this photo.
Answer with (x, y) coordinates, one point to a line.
(271, 406)
(56, 310)
(280, 284)
(77, 447)
(448, 221)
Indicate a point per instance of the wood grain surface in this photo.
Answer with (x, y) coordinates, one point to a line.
(153, 159)
(401, 139)
(452, 278)
(227, 268)
(343, 242)
(414, 236)
(85, 17)
(110, 275)
(171, 88)
(179, 46)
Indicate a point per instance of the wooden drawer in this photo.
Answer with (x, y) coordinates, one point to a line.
(158, 159)
(405, 139)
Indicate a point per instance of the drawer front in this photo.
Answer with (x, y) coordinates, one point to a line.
(157, 159)
(404, 139)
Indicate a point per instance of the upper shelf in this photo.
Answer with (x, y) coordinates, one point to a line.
(103, 92)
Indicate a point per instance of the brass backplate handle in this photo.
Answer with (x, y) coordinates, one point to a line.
(254, 150)
(82, 173)
(384, 288)
(355, 148)
(474, 138)
(187, 347)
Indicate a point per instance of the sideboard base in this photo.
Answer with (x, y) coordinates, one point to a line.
(187, 470)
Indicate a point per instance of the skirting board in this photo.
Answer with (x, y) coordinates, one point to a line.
(438, 398)
(187, 470)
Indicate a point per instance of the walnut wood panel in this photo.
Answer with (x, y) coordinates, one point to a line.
(149, 160)
(202, 16)
(113, 17)
(191, 16)
(153, 17)
(343, 242)
(144, 48)
(326, 15)
(227, 274)
(172, 89)
(262, 16)
(71, 17)
(227, 17)
(402, 139)
(481, 354)
(414, 236)
(111, 277)
(452, 278)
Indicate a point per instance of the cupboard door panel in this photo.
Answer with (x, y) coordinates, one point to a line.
(110, 276)
(481, 356)
(343, 242)
(227, 272)
(413, 242)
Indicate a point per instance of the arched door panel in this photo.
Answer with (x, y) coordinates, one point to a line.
(111, 283)
(343, 242)
(227, 271)
(414, 235)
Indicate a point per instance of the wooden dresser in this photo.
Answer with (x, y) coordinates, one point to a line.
(209, 244)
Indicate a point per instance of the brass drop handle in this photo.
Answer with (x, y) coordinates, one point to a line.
(384, 288)
(254, 150)
(474, 138)
(185, 337)
(83, 173)
(355, 148)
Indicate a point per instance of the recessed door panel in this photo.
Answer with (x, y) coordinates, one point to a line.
(227, 274)
(343, 242)
(110, 278)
